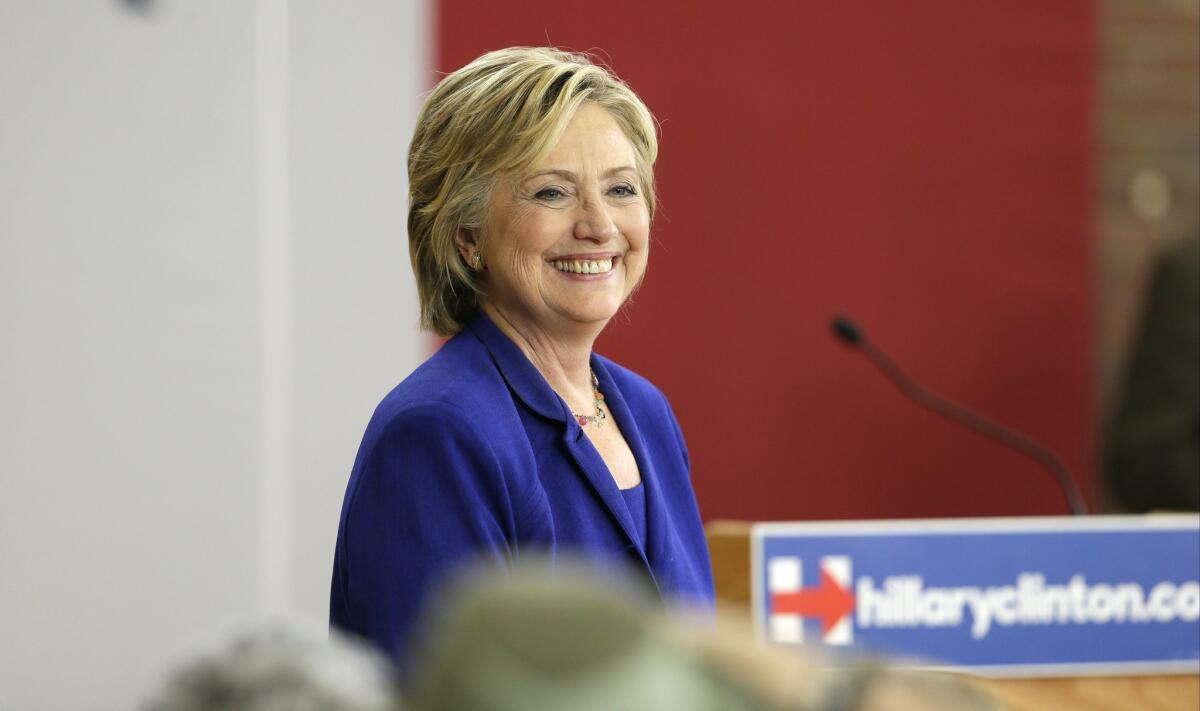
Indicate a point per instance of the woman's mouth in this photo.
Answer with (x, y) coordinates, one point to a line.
(584, 266)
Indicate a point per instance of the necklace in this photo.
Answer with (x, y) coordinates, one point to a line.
(598, 418)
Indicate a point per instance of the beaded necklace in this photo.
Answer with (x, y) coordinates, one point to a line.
(598, 418)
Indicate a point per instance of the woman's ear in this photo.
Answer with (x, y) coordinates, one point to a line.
(468, 248)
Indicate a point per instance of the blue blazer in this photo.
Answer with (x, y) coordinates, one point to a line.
(474, 455)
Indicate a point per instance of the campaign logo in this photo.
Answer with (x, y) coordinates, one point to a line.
(830, 600)
(904, 601)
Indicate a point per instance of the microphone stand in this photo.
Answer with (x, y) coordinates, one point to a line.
(850, 334)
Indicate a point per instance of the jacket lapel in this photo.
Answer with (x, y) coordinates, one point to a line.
(598, 475)
(528, 384)
(658, 544)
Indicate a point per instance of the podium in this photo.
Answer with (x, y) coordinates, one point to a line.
(730, 547)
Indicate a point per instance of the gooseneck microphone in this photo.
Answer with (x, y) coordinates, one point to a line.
(849, 333)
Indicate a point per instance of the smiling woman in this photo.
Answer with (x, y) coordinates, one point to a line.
(531, 199)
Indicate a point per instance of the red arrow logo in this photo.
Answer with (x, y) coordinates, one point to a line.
(831, 602)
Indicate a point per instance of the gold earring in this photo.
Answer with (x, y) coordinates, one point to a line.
(477, 260)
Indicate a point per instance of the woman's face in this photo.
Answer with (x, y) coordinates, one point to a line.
(566, 244)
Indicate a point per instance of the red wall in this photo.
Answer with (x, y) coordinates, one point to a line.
(922, 165)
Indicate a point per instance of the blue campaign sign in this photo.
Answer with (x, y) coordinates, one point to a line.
(1019, 596)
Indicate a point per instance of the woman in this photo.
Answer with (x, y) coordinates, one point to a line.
(532, 193)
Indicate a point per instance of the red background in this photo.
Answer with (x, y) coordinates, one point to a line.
(925, 166)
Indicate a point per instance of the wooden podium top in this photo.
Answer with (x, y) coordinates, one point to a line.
(729, 546)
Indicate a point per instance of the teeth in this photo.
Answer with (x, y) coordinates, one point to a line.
(585, 266)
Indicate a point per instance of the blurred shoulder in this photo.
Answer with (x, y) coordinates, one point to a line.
(1178, 264)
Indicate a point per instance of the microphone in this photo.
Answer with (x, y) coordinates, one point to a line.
(849, 333)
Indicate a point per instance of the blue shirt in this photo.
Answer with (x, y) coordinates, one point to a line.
(635, 501)
(475, 457)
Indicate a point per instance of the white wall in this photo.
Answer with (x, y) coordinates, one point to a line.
(359, 73)
(204, 290)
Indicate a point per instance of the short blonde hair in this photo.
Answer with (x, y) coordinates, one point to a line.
(495, 117)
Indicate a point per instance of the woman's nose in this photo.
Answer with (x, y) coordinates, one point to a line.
(595, 222)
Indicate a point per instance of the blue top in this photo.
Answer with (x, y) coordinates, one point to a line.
(475, 457)
(635, 500)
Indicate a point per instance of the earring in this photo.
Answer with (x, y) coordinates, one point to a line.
(477, 260)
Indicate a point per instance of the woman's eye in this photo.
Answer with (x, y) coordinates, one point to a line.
(549, 194)
(623, 190)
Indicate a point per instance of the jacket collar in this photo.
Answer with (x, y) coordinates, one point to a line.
(522, 377)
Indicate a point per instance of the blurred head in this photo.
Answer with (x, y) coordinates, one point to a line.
(531, 185)
(283, 668)
(572, 637)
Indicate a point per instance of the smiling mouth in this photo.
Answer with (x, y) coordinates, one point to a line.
(584, 266)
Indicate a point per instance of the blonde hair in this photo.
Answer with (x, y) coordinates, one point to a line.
(498, 116)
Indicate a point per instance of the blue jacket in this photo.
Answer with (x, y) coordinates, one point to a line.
(474, 455)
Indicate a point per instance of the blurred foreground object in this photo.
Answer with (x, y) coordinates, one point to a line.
(549, 641)
(280, 669)
(541, 640)
(1153, 447)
